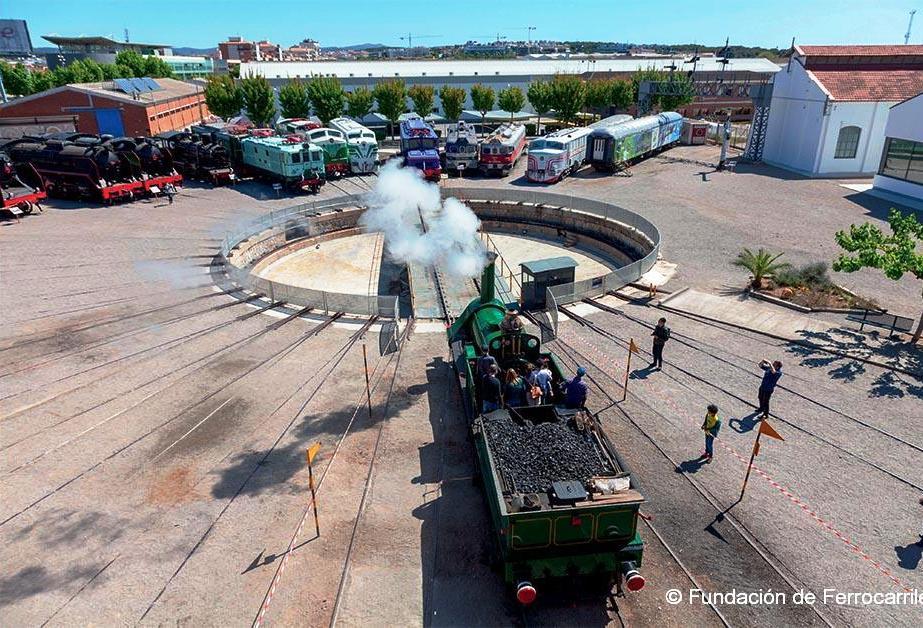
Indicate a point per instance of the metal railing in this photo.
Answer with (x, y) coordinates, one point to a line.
(270, 234)
(597, 286)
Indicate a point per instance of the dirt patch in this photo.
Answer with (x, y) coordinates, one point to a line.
(820, 297)
(174, 487)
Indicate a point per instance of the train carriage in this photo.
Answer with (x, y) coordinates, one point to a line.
(336, 152)
(562, 503)
(420, 147)
(461, 148)
(612, 147)
(289, 160)
(556, 155)
(502, 148)
(361, 143)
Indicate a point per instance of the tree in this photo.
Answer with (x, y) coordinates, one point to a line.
(223, 96)
(482, 97)
(422, 97)
(895, 254)
(567, 95)
(681, 85)
(326, 96)
(620, 96)
(293, 100)
(598, 95)
(17, 79)
(42, 80)
(540, 97)
(359, 102)
(453, 100)
(140, 65)
(511, 100)
(391, 98)
(258, 100)
(762, 265)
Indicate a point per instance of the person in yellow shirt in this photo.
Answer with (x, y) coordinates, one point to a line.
(711, 426)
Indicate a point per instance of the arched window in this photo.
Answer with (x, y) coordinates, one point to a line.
(847, 142)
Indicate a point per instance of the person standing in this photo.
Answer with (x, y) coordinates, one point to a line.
(534, 392)
(170, 191)
(711, 426)
(772, 372)
(492, 392)
(514, 389)
(543, 380)
(485, 362)
(575, 391)
(661, 334)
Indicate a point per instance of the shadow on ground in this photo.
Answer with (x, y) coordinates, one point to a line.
(890, 384)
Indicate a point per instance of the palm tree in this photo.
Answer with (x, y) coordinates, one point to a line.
(762, 265)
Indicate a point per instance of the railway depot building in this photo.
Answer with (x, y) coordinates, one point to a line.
(830, 105)
(719, 86)
(106, 108)
(901, 169)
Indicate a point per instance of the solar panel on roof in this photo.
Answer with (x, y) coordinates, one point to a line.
(139, 85)
(152, 85)
(125, 85)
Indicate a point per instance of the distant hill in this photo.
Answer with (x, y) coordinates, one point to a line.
(354, 47)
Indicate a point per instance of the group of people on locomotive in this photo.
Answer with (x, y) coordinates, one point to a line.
(517, 382)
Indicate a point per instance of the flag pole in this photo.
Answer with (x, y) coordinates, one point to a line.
(756, 448)
(631, 349)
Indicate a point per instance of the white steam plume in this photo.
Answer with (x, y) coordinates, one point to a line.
(451, 241)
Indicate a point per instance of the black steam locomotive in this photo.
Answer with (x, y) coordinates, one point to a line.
(101, 168)
(197, 156)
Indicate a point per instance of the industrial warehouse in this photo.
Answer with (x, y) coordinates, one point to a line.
(497, 330)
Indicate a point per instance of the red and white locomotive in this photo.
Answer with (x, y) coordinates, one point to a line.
(501, 149)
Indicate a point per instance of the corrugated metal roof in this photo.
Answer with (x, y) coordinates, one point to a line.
(490, 67)
(544, 265)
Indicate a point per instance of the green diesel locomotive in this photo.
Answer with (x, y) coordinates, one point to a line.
(562, 503)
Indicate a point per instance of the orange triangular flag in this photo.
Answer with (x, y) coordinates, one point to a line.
(632, 347)
(767, 429)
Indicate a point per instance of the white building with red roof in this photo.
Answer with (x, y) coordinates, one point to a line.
(830, 105)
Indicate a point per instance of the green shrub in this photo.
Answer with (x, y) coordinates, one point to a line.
(813, 275)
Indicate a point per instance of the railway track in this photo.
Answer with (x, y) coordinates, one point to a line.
(329, 366)
(574, 357)
(271, 359)
(324, 373)
(584, 322)
(695, 344)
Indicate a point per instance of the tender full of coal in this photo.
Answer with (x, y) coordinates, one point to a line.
(533, 455)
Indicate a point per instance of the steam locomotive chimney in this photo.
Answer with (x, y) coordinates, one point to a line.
(487, 279)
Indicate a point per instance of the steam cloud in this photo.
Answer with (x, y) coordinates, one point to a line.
(451, 241)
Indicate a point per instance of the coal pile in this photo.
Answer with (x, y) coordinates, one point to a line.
(533, 455)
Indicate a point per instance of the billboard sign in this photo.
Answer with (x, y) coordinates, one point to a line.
(14, 38)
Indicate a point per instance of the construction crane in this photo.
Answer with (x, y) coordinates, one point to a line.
(410, 37)
(524, 28)
(497, 35)
(909, 26)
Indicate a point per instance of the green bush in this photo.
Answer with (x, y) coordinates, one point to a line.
(813, 275)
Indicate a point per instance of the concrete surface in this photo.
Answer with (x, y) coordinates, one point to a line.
(153, 433)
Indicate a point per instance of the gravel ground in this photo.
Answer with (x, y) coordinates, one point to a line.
(706, 217)
(153, 432)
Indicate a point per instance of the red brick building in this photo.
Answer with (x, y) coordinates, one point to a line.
(104, 108)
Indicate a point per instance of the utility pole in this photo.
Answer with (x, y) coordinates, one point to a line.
(909, 26)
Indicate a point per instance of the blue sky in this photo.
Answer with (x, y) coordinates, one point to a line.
(203, 23)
